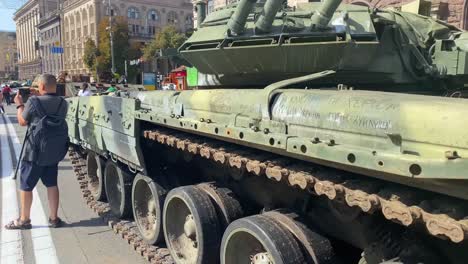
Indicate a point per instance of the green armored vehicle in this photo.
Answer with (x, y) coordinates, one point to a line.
(300, 151)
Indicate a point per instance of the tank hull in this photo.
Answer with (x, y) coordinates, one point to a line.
(362, 160)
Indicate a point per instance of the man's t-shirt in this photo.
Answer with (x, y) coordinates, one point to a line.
(85, 93)
(50, 103)
(6, 90)
(111, 89)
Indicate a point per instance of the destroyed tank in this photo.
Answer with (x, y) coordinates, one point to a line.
(328, 134)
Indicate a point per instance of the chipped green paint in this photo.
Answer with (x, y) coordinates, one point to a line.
(378, 134)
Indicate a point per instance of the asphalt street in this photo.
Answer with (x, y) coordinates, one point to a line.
(84, 238)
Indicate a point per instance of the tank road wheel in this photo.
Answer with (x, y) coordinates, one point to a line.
(191, 226)
(258, 239)
(95, 175)
(118, 185)
(392, 243)
(147, 202)
(226, 204)
(316, 248)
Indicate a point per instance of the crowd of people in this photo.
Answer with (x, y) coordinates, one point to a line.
(6, 94)
(85, 90)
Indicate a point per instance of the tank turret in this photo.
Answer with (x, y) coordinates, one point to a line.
(252, 44)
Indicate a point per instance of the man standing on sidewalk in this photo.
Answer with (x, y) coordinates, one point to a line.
(6, 91)
(45, 146)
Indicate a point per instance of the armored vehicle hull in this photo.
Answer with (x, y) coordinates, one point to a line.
(336, 172)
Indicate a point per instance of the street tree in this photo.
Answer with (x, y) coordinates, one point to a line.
(168, 37)
(121, 45)
(134, 53)
(90, 55)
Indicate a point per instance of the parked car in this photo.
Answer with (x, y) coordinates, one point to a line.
(15, 85)
(169, 86)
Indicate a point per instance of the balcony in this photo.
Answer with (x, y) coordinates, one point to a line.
(141, 35)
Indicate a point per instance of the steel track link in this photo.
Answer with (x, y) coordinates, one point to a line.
(402, 207)
(125, 229)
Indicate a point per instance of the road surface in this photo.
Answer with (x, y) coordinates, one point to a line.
(84, 239)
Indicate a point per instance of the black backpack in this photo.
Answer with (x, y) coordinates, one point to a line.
(48, 137)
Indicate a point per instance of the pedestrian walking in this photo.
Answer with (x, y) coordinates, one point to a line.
(45, 146)
(6, 91)
(85, 90)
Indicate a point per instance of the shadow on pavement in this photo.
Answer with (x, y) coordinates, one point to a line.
(93, 222)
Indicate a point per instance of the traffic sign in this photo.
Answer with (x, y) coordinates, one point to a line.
(57, 50)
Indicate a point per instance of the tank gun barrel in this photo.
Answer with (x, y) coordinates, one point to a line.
(237, 22)
(270, 9)
(322, 17)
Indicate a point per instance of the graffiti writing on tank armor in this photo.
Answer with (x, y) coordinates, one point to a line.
(344, 120)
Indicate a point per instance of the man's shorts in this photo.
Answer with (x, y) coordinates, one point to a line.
(31, 173)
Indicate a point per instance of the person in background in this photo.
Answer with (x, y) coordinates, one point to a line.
(112, 89)
(85, 90)
(7, 94)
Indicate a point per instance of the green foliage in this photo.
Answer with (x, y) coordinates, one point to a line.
(121, 45)
(90, 54)
(134, 53)
(168, 37)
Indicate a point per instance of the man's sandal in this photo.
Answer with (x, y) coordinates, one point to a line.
(19, 225)
(55, 223)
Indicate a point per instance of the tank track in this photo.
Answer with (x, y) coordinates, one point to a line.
(400, 204)
(123, 228)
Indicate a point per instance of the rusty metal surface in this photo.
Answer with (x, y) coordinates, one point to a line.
(125, 229)
(368, 197)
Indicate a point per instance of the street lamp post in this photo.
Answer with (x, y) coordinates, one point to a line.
(111, 35)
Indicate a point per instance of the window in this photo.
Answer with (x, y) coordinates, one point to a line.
(134, 29)
(133, 13)
(172, 17)
(153, 15)
(151, 30)
(188, 21)
(210, 6)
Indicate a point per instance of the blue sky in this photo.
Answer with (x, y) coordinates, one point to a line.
(6, 19)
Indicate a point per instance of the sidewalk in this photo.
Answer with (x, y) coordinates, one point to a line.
(84, 239)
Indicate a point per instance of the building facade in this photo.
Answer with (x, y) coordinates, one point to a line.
(81, 18)
(50, 42)
(27, 18)
(8, 56)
